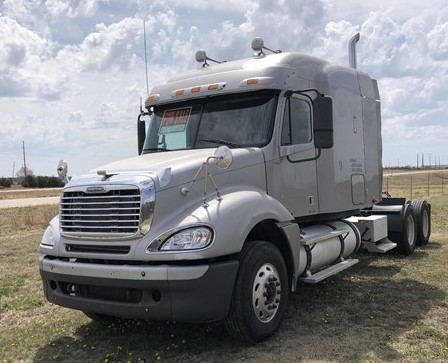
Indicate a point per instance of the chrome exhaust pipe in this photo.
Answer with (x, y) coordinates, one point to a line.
(352, 50)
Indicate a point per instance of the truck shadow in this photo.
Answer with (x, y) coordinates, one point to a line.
(353, 316)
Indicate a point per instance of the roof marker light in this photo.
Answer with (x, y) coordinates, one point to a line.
(203, 88)
(151, 99)
(257, 81)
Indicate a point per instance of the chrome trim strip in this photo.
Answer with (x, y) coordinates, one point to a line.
(124, 272)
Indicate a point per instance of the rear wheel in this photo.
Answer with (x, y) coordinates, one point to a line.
(407, 239)
(260, 295)
(423, 219)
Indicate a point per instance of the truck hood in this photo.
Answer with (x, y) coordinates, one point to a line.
(173, 168)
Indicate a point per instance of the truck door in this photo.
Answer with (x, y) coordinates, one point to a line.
(292, 177)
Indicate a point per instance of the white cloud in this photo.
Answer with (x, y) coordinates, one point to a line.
(71, 72)
(108, 46)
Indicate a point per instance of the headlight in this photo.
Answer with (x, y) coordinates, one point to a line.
(48, 237)
(188, 239)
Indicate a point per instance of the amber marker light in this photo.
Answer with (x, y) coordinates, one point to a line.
(252, 81)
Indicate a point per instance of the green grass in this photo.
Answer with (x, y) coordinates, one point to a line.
(387, 308)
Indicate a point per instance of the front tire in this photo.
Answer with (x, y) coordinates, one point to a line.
(260, 296)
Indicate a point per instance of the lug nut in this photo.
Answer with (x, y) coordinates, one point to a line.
(277, 300)
(277, 284)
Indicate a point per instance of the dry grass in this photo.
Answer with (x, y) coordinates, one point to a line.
(386, 308)
(25, 219)
(416, 185)
(17, 193)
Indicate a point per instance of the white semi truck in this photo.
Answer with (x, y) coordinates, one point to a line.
(252, 175)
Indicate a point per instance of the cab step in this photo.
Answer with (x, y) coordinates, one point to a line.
(382, 246)
(329, 271)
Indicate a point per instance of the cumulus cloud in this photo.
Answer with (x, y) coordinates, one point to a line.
(107, 46)
(21, 53)
(71, 72)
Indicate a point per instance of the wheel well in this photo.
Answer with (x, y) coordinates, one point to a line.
(268, 231)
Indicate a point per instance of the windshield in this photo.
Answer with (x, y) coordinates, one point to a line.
(236, 120)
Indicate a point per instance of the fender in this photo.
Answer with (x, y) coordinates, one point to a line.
(232, 218)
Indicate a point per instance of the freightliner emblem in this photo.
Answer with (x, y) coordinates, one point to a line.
(96, 189)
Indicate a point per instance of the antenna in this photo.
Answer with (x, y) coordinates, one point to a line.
(146, 59)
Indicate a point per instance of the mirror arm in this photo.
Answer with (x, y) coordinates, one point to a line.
(303, 92)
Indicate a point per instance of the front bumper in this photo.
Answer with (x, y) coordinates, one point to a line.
(195, 293)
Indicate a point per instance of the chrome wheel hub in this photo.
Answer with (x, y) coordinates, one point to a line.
(266, 293)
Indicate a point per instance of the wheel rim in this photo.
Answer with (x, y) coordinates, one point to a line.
(410, 226)
(425, 223)
(266, 293)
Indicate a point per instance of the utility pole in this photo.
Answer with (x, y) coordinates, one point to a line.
(24, 159)
(423, 160)
(417, 160)
(13, 168)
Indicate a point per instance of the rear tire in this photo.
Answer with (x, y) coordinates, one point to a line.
(260, 296)
(407, 239)
(423, 219)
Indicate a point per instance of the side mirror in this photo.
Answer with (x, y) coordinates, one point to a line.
(323, 122)
(223, 157)
(141, 134)
(62, 171)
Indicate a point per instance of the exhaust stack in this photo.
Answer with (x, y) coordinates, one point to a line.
(352, 50)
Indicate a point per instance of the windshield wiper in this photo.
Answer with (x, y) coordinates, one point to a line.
(157, 149)
(220, 142)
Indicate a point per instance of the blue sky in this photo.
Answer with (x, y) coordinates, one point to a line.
(72, 72)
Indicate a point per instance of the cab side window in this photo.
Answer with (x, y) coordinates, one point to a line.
(296, 128)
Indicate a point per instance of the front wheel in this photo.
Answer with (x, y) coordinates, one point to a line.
(260, 296)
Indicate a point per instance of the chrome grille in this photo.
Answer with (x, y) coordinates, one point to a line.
(115, 213)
